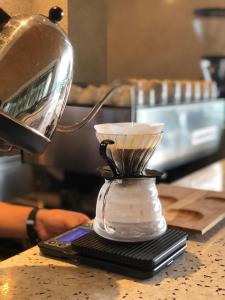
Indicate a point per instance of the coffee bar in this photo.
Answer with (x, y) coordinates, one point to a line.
(112, 149)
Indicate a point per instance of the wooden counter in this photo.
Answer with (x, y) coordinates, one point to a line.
(197, 274)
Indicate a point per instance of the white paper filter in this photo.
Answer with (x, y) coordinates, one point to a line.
(129, 128)
(134, 143)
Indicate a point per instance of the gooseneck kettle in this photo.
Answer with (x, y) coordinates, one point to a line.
(36, 67)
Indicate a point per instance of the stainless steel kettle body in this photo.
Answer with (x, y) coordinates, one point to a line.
(36, 66)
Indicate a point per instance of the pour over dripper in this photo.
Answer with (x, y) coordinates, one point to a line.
(128, 208)
(131, 150)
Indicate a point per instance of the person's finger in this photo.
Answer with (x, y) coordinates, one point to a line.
(84, 218)
(75, 219)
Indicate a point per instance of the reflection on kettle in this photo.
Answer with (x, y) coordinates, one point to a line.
(36, 64)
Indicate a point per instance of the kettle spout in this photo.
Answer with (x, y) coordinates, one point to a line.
(90, 116)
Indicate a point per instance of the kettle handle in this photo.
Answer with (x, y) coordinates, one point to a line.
(90, 116)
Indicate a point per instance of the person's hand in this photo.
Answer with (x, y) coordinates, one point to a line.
(51, 222)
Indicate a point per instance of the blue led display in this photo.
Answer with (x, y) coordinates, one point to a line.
(72, 236)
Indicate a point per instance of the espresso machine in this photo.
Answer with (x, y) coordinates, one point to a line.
(209, 26)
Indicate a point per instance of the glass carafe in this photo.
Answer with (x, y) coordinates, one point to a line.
(129, 210)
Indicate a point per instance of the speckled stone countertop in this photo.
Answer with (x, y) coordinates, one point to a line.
(198, 274)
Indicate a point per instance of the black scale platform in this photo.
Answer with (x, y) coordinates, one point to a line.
(141, 260)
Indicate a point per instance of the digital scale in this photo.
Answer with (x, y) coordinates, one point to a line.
(140, 259)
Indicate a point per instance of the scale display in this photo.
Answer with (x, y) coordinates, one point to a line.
(72, 235)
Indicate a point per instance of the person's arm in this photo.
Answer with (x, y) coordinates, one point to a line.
(48, 222)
